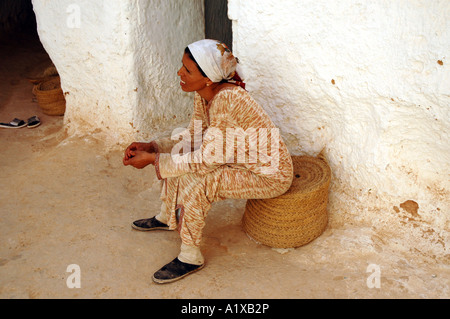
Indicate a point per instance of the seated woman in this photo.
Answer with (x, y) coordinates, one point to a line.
(257, 166)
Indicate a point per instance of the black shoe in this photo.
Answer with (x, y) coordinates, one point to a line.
(149, 224)
(175, 270)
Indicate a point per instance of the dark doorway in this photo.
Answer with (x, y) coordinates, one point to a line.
(217, 24)
(16, 17)
(22, 57)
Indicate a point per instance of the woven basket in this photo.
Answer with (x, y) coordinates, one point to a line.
(50, 96)
(297, 217)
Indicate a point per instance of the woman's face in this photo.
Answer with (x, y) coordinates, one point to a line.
(191, 77)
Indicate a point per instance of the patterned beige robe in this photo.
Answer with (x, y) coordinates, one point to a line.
(209, 171)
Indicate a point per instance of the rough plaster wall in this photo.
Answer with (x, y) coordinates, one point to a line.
(163, 29)
(94, 60)
(118, 67)
(368, 82)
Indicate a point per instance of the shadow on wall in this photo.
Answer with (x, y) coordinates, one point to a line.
(217, 24)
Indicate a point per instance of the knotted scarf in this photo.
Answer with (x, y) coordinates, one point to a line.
(217, 61)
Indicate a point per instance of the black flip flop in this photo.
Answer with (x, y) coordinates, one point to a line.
(174, 271)
(16, 123)
(33, 122)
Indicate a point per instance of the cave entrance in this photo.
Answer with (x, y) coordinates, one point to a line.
(217, 24)
(22, 58)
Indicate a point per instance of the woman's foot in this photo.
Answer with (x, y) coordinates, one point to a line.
(175, 270)
(149, 224)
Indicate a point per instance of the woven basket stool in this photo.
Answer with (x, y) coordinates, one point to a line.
(297, 217)
(50, 97)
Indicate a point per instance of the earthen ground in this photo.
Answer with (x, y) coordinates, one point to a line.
(69, 200)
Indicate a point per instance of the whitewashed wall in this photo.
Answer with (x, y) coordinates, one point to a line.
(368, 82)
(163, 30)
(118, 61)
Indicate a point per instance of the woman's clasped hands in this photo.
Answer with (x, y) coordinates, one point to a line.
(140, 155)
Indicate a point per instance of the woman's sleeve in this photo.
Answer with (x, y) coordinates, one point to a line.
(163, 145)
(203, 159)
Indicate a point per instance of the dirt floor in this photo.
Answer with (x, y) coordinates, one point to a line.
(65, 200)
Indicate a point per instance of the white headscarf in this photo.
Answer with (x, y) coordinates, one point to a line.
(216, 60)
